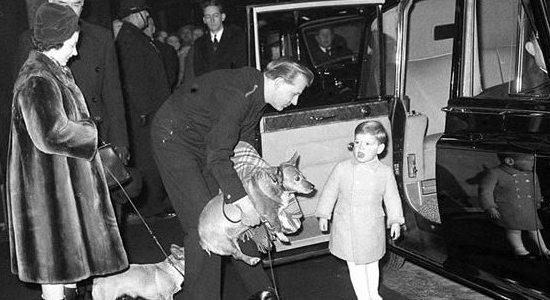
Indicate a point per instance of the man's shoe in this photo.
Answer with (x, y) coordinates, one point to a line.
(525, 257)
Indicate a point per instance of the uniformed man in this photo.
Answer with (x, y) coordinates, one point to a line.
(194, 134)
(145, 87)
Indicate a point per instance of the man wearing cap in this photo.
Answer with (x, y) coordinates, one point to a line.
(61, 221)
(96, 73)
(145, 87)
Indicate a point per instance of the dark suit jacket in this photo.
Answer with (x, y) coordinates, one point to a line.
(231, 53)
(221, 108)
(96, 73)
(336, 51)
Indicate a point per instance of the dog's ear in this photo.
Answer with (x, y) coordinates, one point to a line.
(179, 252)
(294, 159)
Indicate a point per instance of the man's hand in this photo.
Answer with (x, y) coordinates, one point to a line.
(249, 215)
(395, 231)
(123, 153)
(323, 224)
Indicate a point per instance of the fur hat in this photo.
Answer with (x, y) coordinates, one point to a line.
(54, 23)
(128, 7)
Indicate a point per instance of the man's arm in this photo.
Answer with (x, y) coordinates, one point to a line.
(221, 141)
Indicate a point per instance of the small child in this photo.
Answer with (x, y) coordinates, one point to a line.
(511, 195)
(360, 185)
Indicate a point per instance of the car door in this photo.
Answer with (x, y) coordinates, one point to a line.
(320, 128)
(493, 158)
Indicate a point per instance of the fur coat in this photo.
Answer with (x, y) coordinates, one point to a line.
(62, 227)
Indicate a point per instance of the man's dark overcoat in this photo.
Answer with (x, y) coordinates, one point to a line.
(231, 53)
(62, 227)
(194, 134)
(95, 70)
(145, 87)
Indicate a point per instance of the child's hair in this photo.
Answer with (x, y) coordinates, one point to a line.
(374, 128)
(515, 156)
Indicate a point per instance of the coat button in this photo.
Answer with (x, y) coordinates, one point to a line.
(97, 69)
(94, 99)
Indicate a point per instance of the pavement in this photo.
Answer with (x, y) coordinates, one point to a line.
(319, 278)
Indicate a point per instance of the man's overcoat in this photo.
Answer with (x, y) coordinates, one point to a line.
(356, 192)
(145, 87)
(62, 227)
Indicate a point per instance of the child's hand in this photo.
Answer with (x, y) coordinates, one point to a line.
(323, 224)
(395, 231)
(493, 213)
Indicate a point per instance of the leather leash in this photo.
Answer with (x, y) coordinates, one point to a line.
(145, 223)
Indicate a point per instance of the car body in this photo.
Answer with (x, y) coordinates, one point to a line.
(429, 76)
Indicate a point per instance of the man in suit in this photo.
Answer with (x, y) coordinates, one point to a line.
(223, 47)
(328, 46)
(145, 87)
(95, 70)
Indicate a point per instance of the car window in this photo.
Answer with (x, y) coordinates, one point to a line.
(506, 61)
(328, 41)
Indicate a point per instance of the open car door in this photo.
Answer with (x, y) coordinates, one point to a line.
(347, 90)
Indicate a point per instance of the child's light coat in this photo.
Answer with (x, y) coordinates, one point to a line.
(356, 192)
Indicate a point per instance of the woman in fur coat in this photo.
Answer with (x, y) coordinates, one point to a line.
(62, 227)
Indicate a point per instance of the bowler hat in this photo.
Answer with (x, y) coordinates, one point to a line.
(54, 23)
(128, 7)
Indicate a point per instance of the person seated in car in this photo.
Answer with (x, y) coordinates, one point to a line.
(329, 45)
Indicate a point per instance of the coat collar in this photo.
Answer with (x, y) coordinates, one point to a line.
(39, 62)
(371, 165)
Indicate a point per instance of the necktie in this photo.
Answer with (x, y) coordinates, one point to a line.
(329, 52)
(215, 44)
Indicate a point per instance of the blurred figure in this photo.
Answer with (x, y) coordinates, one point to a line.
(198, 31)
(160, 36)
(185, 33)
(174, 41)
(61, 221)
(182, 51)
(146, 87)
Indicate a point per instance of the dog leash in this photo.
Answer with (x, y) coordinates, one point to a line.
(145, 223)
